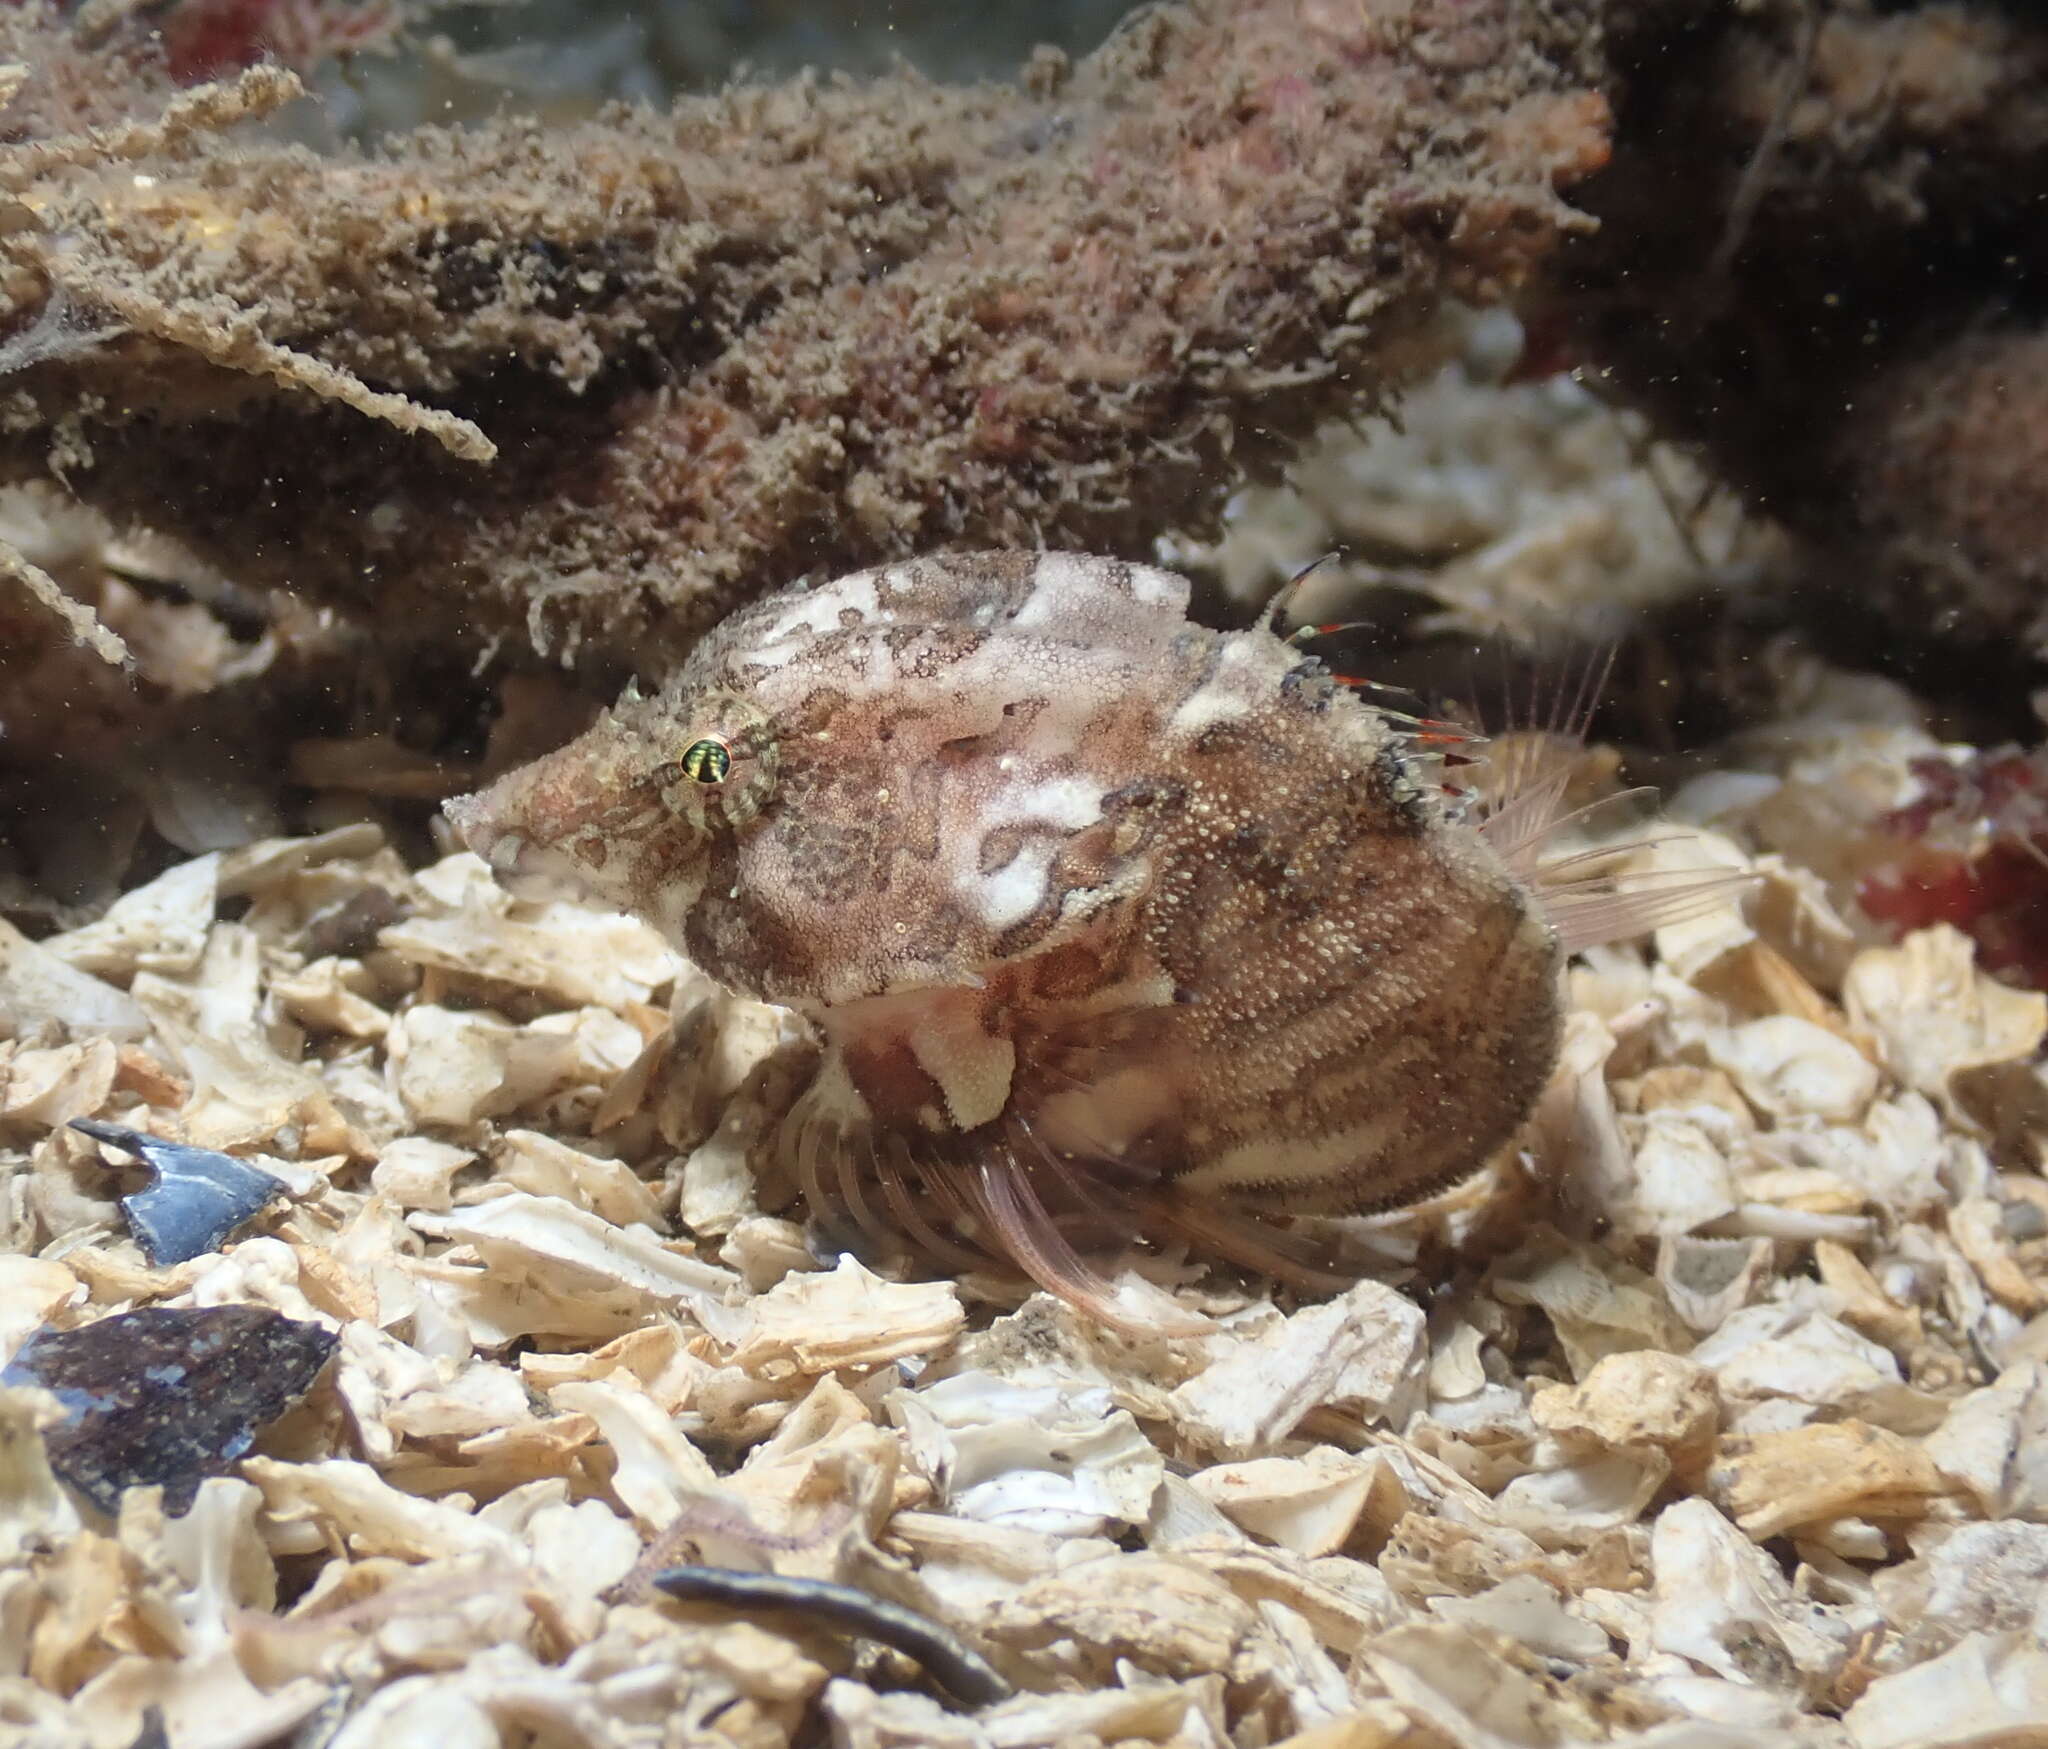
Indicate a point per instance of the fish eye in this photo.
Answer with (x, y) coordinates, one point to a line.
(708, 760)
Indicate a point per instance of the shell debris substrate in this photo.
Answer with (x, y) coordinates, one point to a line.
(1725, 1426)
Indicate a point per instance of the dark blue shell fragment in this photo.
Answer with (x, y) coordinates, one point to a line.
(198, 1199)
(166, 1394)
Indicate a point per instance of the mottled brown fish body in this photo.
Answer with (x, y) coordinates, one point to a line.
(1373, 1001)
(1073, 888)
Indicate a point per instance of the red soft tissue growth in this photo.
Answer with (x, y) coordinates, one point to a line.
(1973, 852)
(204, 39)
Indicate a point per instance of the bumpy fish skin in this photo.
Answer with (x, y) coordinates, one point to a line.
(1069, 885)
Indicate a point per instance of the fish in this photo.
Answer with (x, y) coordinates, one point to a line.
(1110, 924)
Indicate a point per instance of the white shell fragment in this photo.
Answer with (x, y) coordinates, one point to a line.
(1991, 1689)
(1057, 1460)
(1789, 1067)
(848, 1318)
(572, 956)
(1936, 1014)
(1366, 1347)
(38, 986)
(527, 1234)
(1722, 1605)
(161, 927)
(1309, 1504)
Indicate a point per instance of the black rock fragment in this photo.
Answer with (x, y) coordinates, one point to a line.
(167, 1395)
(956, 1666)
(198, 1199)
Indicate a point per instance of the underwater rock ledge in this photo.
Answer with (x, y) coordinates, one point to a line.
(782, 329)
